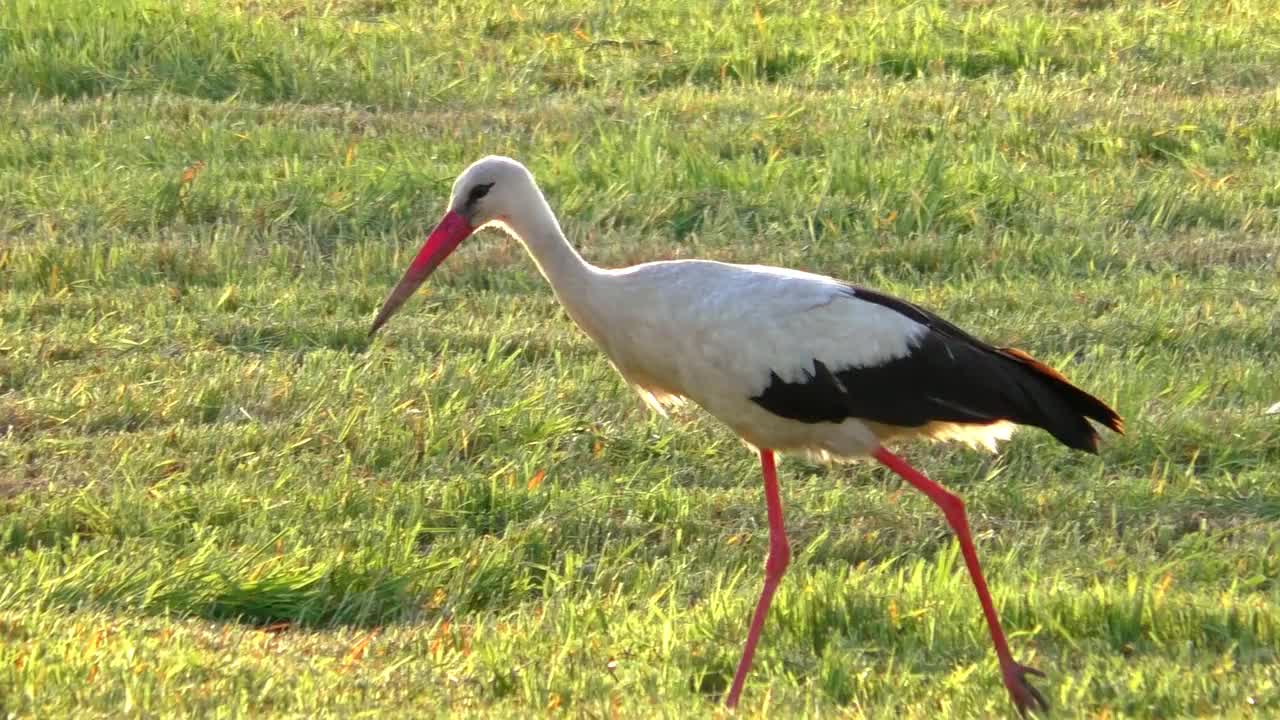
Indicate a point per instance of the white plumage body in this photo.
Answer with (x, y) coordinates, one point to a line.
(713, 332)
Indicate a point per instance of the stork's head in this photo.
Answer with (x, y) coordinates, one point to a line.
(491, 190)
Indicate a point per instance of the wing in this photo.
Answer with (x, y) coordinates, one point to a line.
(773, 331)
(887, 361)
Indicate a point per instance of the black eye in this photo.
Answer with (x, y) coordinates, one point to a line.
(478, 192)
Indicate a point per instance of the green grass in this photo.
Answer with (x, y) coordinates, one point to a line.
(218, 498)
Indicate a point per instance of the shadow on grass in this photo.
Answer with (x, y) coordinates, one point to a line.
(531, 349)
(324, 595)
(249, 337)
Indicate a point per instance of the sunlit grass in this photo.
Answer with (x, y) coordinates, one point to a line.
(218, 497)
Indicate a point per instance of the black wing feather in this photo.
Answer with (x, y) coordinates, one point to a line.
(950, 376)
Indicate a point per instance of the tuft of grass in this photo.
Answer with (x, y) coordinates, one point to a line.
(217, 496)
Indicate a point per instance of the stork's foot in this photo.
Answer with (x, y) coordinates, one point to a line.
(1025, 697)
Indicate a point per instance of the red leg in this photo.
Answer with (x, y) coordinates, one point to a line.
(774, 567)
(1024, 695)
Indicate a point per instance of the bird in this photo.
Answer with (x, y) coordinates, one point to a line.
(793, 362)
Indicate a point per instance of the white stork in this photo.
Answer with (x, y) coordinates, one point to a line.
(791, 361)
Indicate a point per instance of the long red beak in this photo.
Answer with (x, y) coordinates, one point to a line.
(450, 231)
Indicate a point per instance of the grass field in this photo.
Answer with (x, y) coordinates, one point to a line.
(217, 498)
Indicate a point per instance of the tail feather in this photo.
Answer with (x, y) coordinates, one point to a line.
(1060, 407)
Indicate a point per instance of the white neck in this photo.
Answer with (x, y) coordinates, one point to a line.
(572, 278)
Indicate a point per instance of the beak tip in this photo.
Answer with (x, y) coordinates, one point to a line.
(451, 230)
